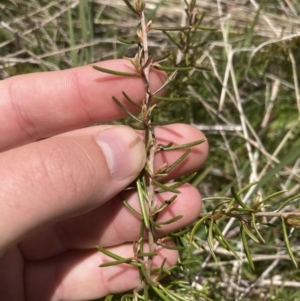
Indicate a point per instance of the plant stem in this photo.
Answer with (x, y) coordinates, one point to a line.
(149, 142)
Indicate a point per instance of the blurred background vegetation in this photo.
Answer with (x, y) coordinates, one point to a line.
(243, 94)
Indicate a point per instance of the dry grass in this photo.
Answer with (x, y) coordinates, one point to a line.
(34, 32)
(248, 105)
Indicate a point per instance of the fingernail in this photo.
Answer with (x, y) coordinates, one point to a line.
(124, 151)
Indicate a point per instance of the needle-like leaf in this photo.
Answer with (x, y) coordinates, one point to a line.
(143, 204)
(287, 242)
(246, 247)
(181, 146)
(125, 109)
(115, 72)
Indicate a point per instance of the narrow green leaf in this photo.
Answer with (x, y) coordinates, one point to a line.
(201, 175)
(210, 240)
(273, 195)
(147, 254)
(127, 297)
(196, 25)
(139, 127)
(162, 58)
(220, 206)
(207, 28)
(164, 68)
(165, 204)
(221, 242)
(245, 188)
(165, 187)
(238, 199)
(109, 298)
(178, 161)
(160, 294)
(181, 232)
(246, 248)
(143, 204)
(155, 123)
(269, 224)
(74, 54)
(142, 237)
(288, 201)
(170, 78)
(173, 247)
(177, 28)
(256, 229)
(126, 110)
(250, 234)
(202, 68)
(110, 254)
(183, 181)
(190, 262)
(287, 243)
(130, 6)
(165, 145)
(172, 39)
(117, 257)
(181, 146)
(169, 221)
(171, 294)
(126, 204)
(130, 100)
(228, 246)
(115, 72)
(161, 271)
(117, 262)
(197, 225)
(215, 198)
(84, 26)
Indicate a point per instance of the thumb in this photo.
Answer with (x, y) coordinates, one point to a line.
(64, 176)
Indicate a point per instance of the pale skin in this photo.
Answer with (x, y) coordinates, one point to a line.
(59, 196)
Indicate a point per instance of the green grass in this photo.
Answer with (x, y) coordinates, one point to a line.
(244, 96)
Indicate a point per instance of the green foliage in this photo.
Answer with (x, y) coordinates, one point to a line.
(238, 81)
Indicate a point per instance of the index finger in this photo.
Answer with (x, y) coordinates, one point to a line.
(40, 105)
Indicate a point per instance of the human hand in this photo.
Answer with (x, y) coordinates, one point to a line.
(58, 195)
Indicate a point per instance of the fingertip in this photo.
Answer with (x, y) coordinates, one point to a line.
(124, 151)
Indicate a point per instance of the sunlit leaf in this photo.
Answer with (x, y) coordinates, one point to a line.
(115, 72)
(255, 228)
(287, 242)
(249, 233)
(181, 146)
(210, 240)
(225, 241)
(246, 248)
(197, 225)
(143, 204)
(288, 201)
(238, 199)
(164, 68)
